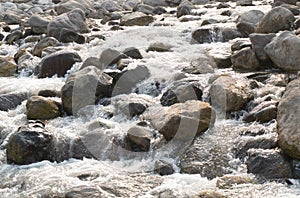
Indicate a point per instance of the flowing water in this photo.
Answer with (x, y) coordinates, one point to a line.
(129, 175)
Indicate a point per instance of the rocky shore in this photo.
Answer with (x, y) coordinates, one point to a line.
(199, 87)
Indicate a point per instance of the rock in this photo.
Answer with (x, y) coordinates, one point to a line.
(136, 18)
(73, 20)
(49, 93)
(11, 19)
(155, 3)
(139, 138)
(111, 6)
(85, 191)
(133, 52)
(57, 64)
(42, 44)
(8, 67)
(11, 100)
(209, 21)
(270, 164)
(244, 3)
(245, 60)
(66, 6)
(159, 10)
(162, 168)
(125, 81)
(259, 41)
(83, 88)
(181, 92)
(210, 194)
(288, 120)
(247, 22)
(284, 51)
(146, 9)
(110, 57)
(40, 108)
(293, 8)
(14, 36)
(222, 59)
(38, 24)
(159, 47)
(230, 94)
(181, 121)
(91, 61)
(226, 13)
(240, 44)
(245, 143)
(223, 5)
(277, 19)
(31, 143)
(68, 36)
(292, 2)
(230, 34)
(203, 65)
(184, 8)
(229, 181)
(264, 112)
(204, 35)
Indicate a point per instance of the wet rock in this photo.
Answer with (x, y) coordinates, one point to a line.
(40, 108)
(209, 21)
(184, 8)
(146, 9)
(14, 36)
(154, 3)
(57, 64)
(293, 2)
(244, 3)
(111, 6)
(229, 181)
(11, 19)
(181, 121)
(66, 6)
(245, 143)
(159, 47)
(277, 19)
(73, 20)
(204, 35)
(203, 65)
(133, 52)
(284, 51)
(240, 44)
(162, 168)
(245, 60)
(42, 44)
(159, 10)
(11, 100)
(31, 143)
(222, 59)
(68, 36)
(259, 41)
(226, 13)
(288, 120)
(264, 112)
(247, 22)
(270, 164)
(230, 33)
(8, 67)
(223, 5)
(181, 92)
(109, 57)
(38, 24)
(85, 87)
(230, 94)
(85, 191)
(139, 138)
(136, 18)
(210, 194)
(49, 93)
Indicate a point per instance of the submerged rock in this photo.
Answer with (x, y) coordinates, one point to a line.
(31, 143)
(162, 168)
(11, 100)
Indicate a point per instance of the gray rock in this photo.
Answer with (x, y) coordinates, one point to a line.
(133, 52)
(136, 18)
(8, 66)
(57, 64)
(85, 87)
(68, 36)
(109, 57)
(244, 3)
(42, 44)
(230, 94)
(31, 143)
(288, 119)
(11, 19)
(139, 138)
(73, 20)
(284, 51)
(159, 47)
(264, 112)
(247, 22)
(184, 8)
(66, 6)
(259, 41)
(14, 36)
(38, 24)
(162, 168)
(245, 60)
(270, 164)
(146, 9)
(277, 19)
(11, 100)
(111, 6)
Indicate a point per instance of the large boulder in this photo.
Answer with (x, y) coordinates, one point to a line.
(11, 100)
(8, 66)
(85, 87)
(284, 51)
(277, 19)
(31, 143)
(40, 108)
(245, 60)
(181, 121)
(259, 41)
(57, 64)
(288, 119)
(136, 18)
(66, 6)
(230, 94)
(38, 24)
(247, 22)
(73, 20)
